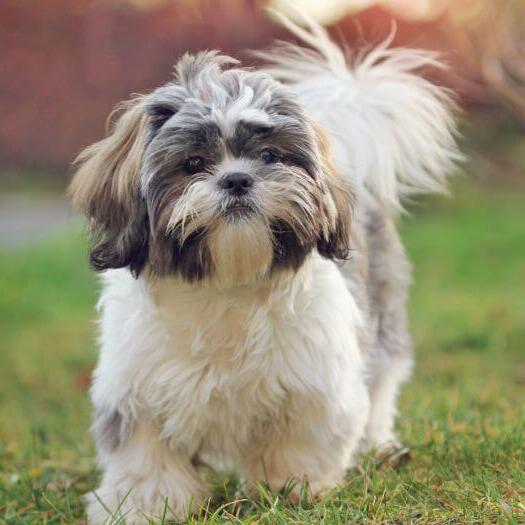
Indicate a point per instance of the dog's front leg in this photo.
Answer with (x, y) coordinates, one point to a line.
(144, 478)
(317, 451)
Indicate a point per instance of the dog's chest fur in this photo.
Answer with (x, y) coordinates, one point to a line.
(230, 369)
(238, 360)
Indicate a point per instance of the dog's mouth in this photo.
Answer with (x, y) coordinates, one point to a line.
(238, 208)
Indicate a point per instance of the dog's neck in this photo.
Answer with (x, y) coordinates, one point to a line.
(285, 283)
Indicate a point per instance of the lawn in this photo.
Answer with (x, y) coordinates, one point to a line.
(463, 414)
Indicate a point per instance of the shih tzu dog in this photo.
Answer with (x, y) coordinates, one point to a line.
(254, 286)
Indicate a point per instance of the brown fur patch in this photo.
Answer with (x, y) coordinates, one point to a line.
(108, 170)
(336, 239)
(106, 188)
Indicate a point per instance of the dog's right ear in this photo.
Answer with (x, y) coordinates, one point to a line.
(106, 188)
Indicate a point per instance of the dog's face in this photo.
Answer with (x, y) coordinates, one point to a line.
(217, 176)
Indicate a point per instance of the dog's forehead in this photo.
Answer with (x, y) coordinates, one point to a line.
(225, 99)
(226, 116)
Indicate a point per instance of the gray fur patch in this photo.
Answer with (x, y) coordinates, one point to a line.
(379, 276)
(110, 428)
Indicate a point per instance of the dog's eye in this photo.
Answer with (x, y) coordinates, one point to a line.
(263, 130)
(194, 164)
(268, 156)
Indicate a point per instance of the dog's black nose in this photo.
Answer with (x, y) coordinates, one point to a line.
(237, 183)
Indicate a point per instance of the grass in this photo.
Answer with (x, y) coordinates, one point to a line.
(463, 414)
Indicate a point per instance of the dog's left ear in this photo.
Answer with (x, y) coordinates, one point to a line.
(336, 207)
(106, 187)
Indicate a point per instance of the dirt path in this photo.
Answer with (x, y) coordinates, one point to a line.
(27, 219)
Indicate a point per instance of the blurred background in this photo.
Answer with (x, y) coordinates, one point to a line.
(65, 63)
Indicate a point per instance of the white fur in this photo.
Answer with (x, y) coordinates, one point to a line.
(392, 131)
(266, 378)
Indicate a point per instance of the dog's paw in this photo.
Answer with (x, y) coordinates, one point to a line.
(295, 491)
(392, 455)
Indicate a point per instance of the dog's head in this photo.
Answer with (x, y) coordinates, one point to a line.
(216, 175)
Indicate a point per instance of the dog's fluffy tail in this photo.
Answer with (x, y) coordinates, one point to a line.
(390, 128)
